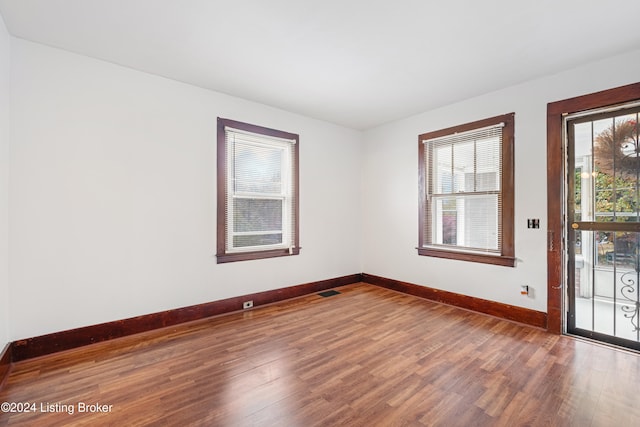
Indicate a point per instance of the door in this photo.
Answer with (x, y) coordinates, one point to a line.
(603, 237)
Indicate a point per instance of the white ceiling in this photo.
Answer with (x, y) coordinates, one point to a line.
(358, 63)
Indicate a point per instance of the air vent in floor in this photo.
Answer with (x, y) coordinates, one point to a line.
(328, 293)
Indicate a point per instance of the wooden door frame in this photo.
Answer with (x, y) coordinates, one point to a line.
(555, 186)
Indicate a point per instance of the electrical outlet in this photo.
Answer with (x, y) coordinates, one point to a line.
(247, 304)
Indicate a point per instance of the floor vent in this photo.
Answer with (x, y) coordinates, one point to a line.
(328, 293)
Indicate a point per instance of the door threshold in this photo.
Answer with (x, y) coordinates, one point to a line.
(602, 343)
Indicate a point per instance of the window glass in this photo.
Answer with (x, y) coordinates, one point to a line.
(257, 192)
(466, 207)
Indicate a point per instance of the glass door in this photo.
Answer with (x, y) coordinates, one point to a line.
(603, 238)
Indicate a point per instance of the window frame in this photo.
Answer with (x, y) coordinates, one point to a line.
(507, 254)
(223, 254)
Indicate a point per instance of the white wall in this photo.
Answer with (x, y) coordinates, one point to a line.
(112, 194)
(390, 183)
(4, 184)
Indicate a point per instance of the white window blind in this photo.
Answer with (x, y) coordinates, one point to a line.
(260, 189)
(463, 186)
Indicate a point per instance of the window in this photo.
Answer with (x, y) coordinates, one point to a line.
(257, 192)
(466, 192)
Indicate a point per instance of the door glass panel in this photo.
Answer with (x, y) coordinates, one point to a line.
(615, 160)
(606, 294)
(604, 208)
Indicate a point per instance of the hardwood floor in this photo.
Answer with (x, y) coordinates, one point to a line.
(366, 357)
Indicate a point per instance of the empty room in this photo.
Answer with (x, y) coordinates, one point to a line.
(336, 213)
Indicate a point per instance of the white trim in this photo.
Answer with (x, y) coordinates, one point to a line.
(258, 248)
(459, 135)
(257, 138)
(610, 109)
(284, 195)
(463, 249)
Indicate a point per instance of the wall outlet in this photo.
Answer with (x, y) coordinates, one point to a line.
(247, 304)
(524, 290)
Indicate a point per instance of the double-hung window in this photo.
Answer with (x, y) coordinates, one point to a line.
(257, 192)
(466, 192)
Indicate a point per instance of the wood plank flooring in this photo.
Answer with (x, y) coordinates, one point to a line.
(366, 357)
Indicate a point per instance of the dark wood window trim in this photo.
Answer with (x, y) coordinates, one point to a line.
(555, 184)
(507, 255)
(222, 255)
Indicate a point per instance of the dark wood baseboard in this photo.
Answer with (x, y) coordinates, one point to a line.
(504, 311)
(73, 338)
(65, 340)
(5, 363)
